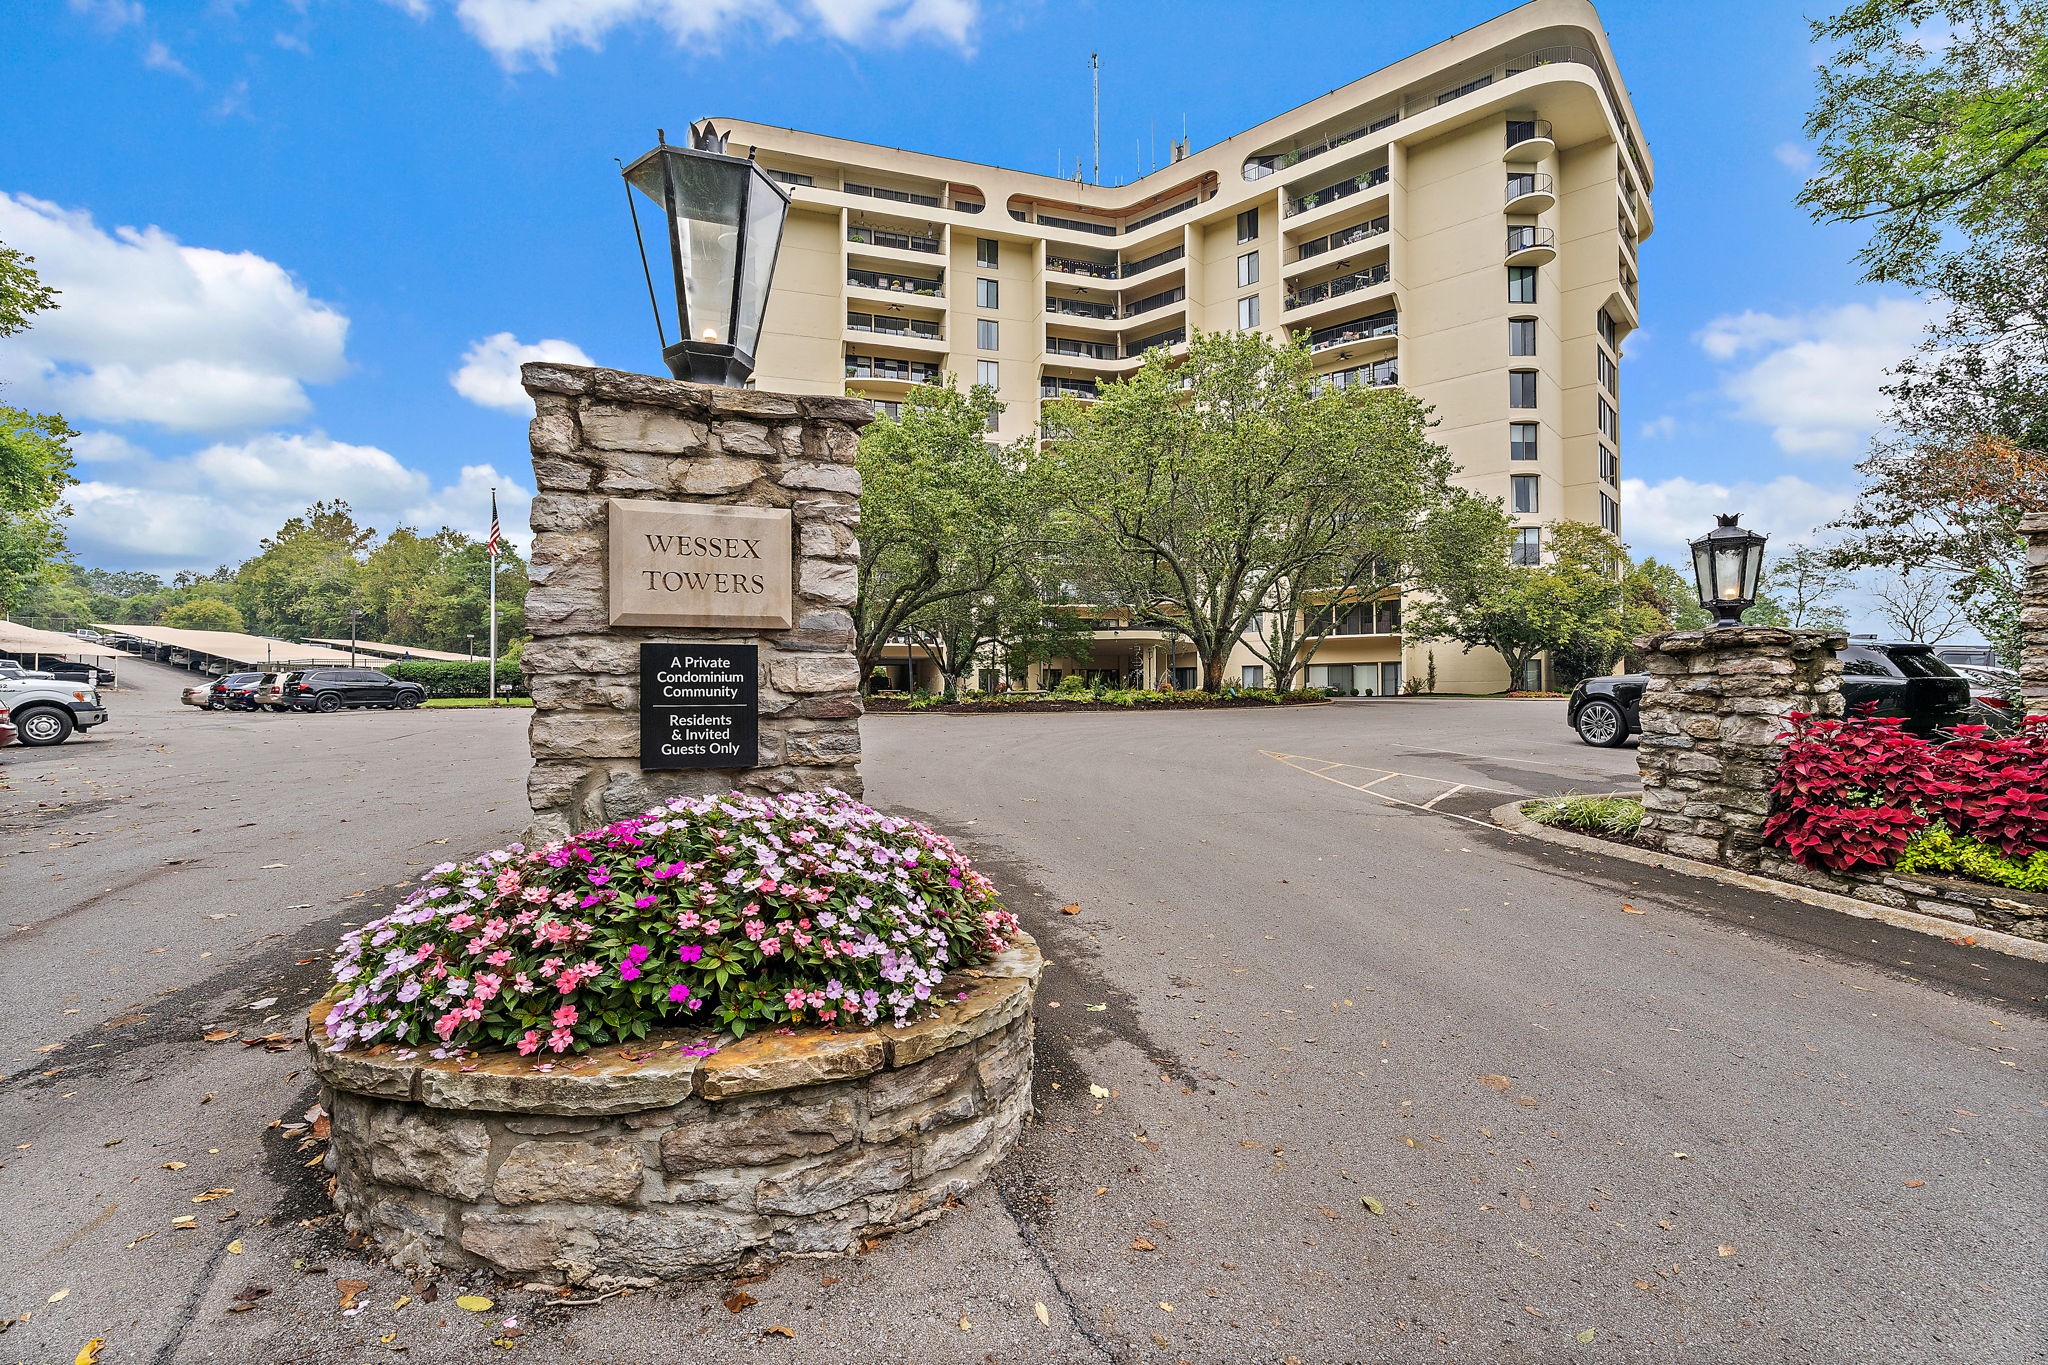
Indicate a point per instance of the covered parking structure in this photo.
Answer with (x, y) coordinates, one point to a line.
(32, 646)
(215, 651)
(383, 650)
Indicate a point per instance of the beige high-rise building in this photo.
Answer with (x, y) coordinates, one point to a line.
(1463, 222)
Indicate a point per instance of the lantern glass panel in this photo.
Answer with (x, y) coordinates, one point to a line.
(1752, 569)
(706, 211)
(1703, 571)
(1730, 576)
(766, 210)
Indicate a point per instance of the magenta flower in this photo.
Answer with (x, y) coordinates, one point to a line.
(628, 972)
(690, 952)
(638, 953)
(678, 995)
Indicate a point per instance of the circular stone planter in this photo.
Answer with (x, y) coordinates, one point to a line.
(635, 1164)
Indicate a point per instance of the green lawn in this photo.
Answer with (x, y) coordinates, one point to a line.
(453, 703)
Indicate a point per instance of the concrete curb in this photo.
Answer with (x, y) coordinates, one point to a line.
(1510, 818)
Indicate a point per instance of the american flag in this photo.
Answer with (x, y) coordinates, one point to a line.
(491, 547)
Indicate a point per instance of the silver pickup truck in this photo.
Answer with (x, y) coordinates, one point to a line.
(47, 710)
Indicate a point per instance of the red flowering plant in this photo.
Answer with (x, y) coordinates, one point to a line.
(743, 910)
(1855, 792)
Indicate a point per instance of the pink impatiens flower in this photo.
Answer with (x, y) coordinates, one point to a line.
(565, 1016)
(530, 1044)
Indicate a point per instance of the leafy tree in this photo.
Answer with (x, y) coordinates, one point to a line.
(1574, 601)
(942, 512)
(35, 452)
(305, 580)
(1205, 492)
(1805, 582)
(204, 613)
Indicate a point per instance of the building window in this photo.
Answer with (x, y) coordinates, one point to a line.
(985, 294)
(1247, 312)
(1254, 675)
(1605, 322)
(1521, 284)
(1521, 336)
(1525, 494)
(1247, 269)
(1521, 440)
(1528, 548)
(985, 373)
(1248, 226)
(1532, 675)
(1610, 466)
(1521, 388)
(987, 336)
(987, 251)
(1610, 514)
(1610, 373)
(1386, 616)
(1610, 421)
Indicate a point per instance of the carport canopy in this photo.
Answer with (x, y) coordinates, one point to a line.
(398, 653)
(234, 647)
(20, 639)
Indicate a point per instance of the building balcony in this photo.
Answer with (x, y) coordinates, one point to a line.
(1084, 390)
(1529, 139)
(885, 370)
(914, 333)
(889, 282)
(1530, 192)
(1152, 303)
(1336, 241)
(1359, 336)
(893, 240)
(1072, 265)
(1372, 277)
(1374, 374)
(1068, 348)
(1331, 193)
(1138, 347)
(1086, 310)
(1145, 265)
(1531, 246)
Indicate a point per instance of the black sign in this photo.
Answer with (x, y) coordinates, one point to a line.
(700, 706)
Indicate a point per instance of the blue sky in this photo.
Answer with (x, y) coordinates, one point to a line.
(284, 228)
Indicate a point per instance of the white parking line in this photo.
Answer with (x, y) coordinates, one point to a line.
(1296, 762)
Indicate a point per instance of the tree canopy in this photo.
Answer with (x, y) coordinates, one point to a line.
(35, 452)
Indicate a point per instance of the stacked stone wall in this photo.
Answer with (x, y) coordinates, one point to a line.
(603, 434)
(2034, 615)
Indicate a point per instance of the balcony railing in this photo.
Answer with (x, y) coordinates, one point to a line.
(1067, 388)
(1337, 241)
(1172, 338)
(1165, 298)
(1093, 350)
(899, 241)
(1340, 189)
(894, 327)
(966, 206)
(1076, 225)
(1149, 219)
(898, 284)
(1078, 309)
(1095, 270)
(1526, 183)
(1377, 374)
(1338, 287)
(1259, 167)
(896, 196)
(1525, 238)
(882, 367)
(1152, 262)
(1521, 130)
(1363, 329)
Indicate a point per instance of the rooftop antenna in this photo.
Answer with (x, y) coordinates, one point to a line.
(1095, 79)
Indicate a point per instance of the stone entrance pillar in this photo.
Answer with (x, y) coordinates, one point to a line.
(2034, 615)
(1716, 702)
(705, 516)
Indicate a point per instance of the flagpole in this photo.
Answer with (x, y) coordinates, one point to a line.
(493, 561)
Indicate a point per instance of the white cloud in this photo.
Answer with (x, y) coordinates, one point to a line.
(1794, 156)
(105, 447)
(1660, 518)
(149, 330)
(523, 33)
(489, 376)
(1814, 378)
(213, 507)
(157, 57)
(1659, 428)
(109, 14)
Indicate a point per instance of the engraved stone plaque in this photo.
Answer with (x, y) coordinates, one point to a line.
(677, 564)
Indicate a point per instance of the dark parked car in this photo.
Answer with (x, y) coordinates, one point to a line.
(75, 672)
(1904, 680)
(331, 689)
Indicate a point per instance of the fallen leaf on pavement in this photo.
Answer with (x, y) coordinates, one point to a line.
(235, 1247)
(1532, 1312)
(1070, 909)
(1586, 1337)
(1645, 1285)
(1373, 1206)
(1097, 1007)
(89, 1354)
(1495, 1082)
(185, 1221)
(1140, 1244)
(1630, 910)
(349, 1289)
(217, 1192)
(1916, 1184)
(1725, 1250)
(1165, 1307)
(219, 1035)
(1099, 1092)
(473, 1303)
(965, 1325)
(778, 1330)
(1044, 1318)
(740, 1301)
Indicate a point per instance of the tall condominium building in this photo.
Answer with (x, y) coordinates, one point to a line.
(1463, 223)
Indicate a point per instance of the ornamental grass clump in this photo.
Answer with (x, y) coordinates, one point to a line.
(734, 911)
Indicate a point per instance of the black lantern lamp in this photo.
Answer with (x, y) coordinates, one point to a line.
(725, 217)
(1728, 564)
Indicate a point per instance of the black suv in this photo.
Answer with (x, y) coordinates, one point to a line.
(331, 689)
(1904, 680)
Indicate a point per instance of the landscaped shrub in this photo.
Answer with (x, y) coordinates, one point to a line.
(750, 911)
(1073, 685)
(1617, 815)
(1934, 849)
(1855, 792)
(459, 677)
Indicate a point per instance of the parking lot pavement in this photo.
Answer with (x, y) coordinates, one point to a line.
(1384, 1084)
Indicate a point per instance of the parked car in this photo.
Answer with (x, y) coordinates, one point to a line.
(238, 690)
(223, 693)
(332, 689)
(7, 731)
(269, 693)
(1977, 656)
(75, 672)
(1905, 680)
(11, 669)
(198, 694)
(121, 641)
(46, 711)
